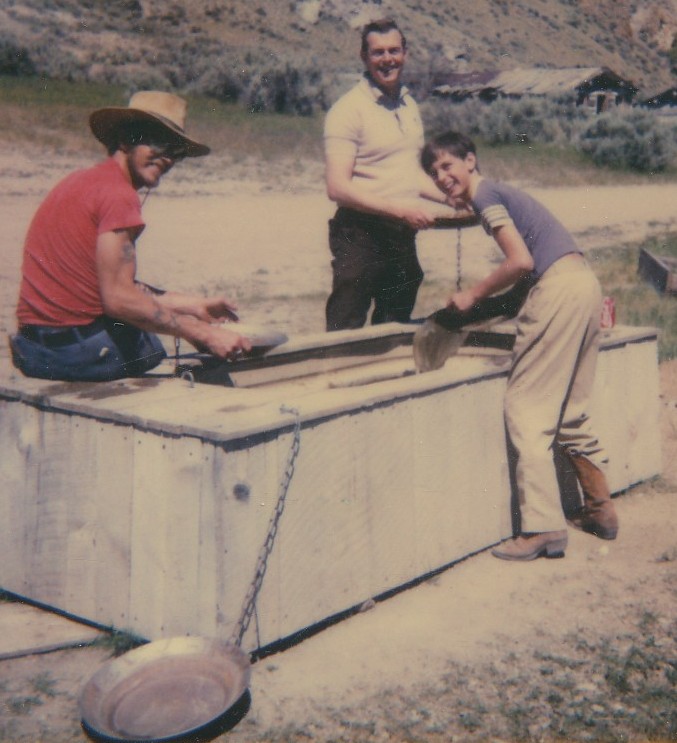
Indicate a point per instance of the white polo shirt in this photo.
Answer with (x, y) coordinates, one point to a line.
(387, 136)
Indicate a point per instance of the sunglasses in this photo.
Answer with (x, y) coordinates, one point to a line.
(166, 149)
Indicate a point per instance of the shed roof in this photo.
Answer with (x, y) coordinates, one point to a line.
(665, 98)
(532, 81)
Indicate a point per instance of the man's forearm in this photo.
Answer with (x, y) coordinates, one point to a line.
(148, 289)
(149, 312)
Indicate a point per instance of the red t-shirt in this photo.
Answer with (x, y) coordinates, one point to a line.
(59, 283)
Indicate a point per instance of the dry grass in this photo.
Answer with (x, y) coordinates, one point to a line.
(53, 115)
(638, 303)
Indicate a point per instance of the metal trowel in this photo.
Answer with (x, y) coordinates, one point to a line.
(443, 333)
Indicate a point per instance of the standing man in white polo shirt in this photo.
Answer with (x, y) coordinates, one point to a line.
(373, 137)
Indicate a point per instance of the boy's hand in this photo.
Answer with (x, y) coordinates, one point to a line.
(459, 204)
(462, 301)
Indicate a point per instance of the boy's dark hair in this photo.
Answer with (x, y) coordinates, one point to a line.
(380, 26)
(453, 143)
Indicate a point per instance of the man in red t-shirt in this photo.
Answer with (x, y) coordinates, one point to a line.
(82, 314)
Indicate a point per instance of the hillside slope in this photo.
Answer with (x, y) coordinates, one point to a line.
(171, 43)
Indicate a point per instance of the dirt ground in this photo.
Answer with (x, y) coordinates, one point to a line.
(425, 664)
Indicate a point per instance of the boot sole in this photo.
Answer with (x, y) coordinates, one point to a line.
(595, 530)
(600, 533)
(554, 551)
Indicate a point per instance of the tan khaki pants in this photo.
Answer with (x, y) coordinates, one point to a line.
(549, 386)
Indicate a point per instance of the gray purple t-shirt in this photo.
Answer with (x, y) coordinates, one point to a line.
(546, 238)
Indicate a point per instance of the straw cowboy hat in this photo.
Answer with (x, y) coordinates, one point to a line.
(147, 106)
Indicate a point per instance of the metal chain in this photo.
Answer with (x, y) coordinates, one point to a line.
(249, 605)
(458, 260)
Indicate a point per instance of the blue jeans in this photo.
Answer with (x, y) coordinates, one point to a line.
(99, 352)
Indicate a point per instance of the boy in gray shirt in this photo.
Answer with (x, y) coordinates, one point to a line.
(555, 352)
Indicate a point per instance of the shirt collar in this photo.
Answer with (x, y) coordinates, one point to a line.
(380, 97)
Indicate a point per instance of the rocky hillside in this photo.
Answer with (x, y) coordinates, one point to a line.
(215, 45)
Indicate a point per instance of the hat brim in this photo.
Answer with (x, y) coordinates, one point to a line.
(105, 123)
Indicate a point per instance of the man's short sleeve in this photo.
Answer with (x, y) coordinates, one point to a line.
(120, 209)
(342, 124)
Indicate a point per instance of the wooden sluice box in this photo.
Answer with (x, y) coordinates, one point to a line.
(143, 504)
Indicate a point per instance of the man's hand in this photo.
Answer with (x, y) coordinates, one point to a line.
(223, 343)
(207, 309)
(417, 218)
(220, 308)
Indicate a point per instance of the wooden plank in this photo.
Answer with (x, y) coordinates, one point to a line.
(252, 373)
(181, 471)
(244, 483)
(626, 413)
(80, 565)
(165, 533)
(47, 533)
(20, 443)
(385, 439)
(26, 630)
(321, 554)
(463, 495)
(113, 522)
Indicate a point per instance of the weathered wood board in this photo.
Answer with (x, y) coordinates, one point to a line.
(659, 271)
(26, 630)
(143, 504)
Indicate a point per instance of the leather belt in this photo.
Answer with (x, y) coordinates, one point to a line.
(52, 337)
(347, 216)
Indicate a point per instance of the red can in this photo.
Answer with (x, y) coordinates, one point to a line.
(608, 319)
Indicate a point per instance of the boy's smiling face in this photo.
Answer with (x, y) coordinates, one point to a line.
(455, 176)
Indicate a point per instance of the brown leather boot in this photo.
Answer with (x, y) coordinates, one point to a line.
(531, 546)
(597, 515)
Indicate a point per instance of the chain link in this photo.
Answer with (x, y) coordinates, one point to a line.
(177, 353)
(458, 260)
(249, 605)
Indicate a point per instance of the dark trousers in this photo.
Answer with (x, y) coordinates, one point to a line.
(374, 259)
(100, 351)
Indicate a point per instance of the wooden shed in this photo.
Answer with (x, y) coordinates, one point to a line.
(596, 87)
(664, 102)
(143, 504)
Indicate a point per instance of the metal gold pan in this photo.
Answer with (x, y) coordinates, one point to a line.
(258, 335)
(167, 690)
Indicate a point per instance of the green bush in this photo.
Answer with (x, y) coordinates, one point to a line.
(287, 91)
(14, 59)
(261, 88)
(633, 138)
(624, 138)
(134, 76)
(529, 120)
(439, 115)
